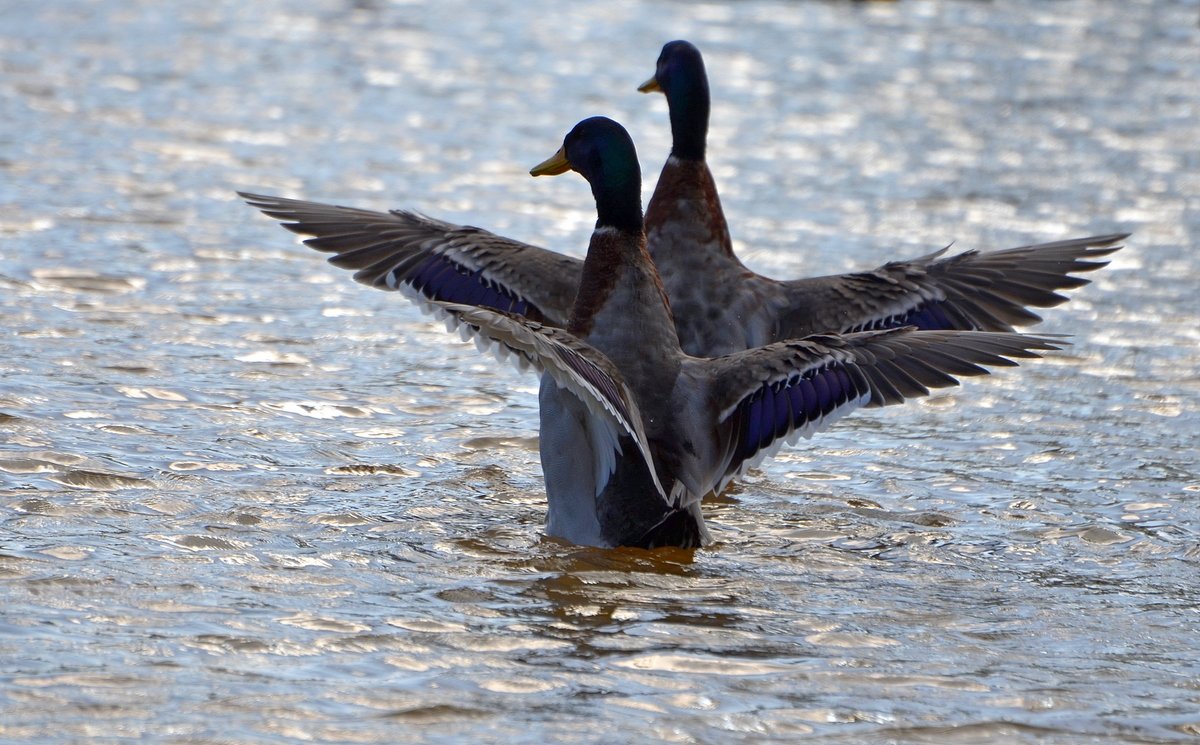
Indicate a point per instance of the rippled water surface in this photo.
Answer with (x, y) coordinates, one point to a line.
(243, 499)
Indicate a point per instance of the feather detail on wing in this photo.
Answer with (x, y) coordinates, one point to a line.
(573, 364)
(443, 261)
(988, 291)
(793, 389)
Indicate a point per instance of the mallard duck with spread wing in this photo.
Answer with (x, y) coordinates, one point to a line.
(634, 431)
(721, 305)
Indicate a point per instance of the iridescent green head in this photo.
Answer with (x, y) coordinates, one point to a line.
(602, 152)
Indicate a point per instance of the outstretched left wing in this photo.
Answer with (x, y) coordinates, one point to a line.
(778, 393)
(441, 261)
(572, 363)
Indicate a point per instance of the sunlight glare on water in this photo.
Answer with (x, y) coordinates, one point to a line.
(243, 499)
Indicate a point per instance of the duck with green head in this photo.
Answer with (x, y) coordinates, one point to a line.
(722, 306)
(634, 431)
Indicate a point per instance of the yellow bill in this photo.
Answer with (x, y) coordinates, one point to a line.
(552, 166)
(650, 86)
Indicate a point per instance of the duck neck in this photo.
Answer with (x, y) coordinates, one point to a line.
(619, 202)
(689, 105)
(620, 291)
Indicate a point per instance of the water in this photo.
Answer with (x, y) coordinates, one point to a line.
(243, 499)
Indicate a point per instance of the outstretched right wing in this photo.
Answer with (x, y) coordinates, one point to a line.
(778, 393)
(980, 290)
(442, 261)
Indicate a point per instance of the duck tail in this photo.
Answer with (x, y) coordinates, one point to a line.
(682, 527)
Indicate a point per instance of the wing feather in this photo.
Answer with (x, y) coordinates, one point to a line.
(445, 262)
(989, 291)
(573, 364)
(773, 394)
